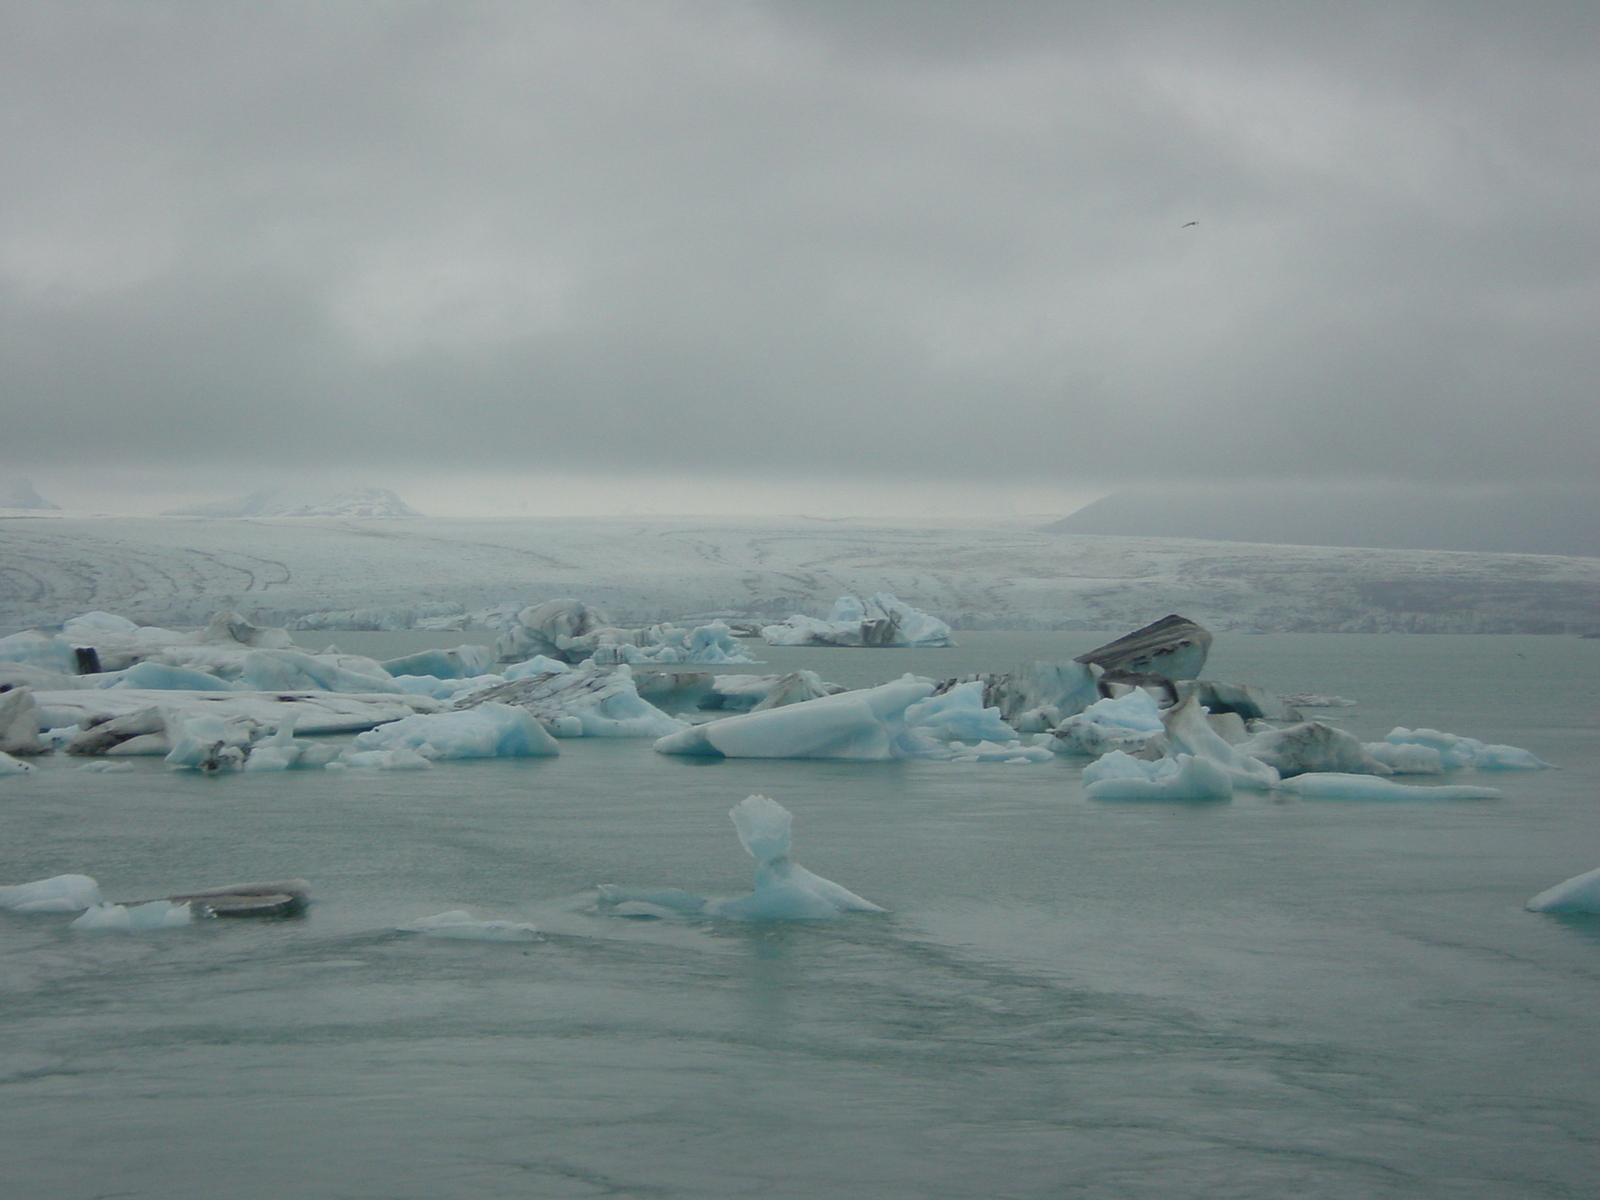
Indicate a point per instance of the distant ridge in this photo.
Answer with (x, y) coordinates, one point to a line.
(1522, 521)
(277, 502)
(22, 495)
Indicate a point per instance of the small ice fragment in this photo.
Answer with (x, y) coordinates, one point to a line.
(458, 923)
(1580, 894)
(157, 914)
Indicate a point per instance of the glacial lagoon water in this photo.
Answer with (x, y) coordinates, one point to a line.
(1265, 998)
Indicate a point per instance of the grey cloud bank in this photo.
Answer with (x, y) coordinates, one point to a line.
(887, 241)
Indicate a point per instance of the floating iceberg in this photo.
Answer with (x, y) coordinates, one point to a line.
(461, 663)
(1580, 894)
(59, 893)
(703, 692)
(211, 743)
(869, 724)
(1130, 722)
(1312, 746)
(589, 700)
(1173, 647)
(1456, 752)
(1189, 732)
(13, 766)
(282, 751)
(485, 731)
(1337, 786)
(1120, 776)
(880, 620)
(784, 890)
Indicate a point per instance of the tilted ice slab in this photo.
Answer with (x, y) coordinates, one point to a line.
(1580, 894)
(783, 891)
(869, 724)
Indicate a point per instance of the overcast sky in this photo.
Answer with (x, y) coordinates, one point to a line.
(749, 250)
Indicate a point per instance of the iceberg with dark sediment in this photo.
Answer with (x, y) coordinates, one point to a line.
(588, 700)
(132, 721)
(1173, 647)
(1312, 746)
(571, 631)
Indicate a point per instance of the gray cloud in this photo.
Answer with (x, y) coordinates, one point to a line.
(930, 239)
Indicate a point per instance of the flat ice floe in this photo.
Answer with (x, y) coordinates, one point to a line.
(1337, 786)
(880, 620)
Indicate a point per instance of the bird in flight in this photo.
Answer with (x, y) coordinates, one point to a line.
(1186, 224)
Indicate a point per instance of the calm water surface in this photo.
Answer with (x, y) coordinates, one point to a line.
(1262, 998)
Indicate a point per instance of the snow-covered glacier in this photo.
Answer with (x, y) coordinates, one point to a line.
(973, 575)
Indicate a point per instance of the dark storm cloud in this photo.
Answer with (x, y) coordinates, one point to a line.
(810, 237)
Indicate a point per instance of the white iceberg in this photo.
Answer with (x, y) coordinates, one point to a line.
(1580, 894)
(1127, 723)
(19, 722)
(1189, 732)
(880, 620)
(1457, 752)
(59, 893)
(486, 731)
